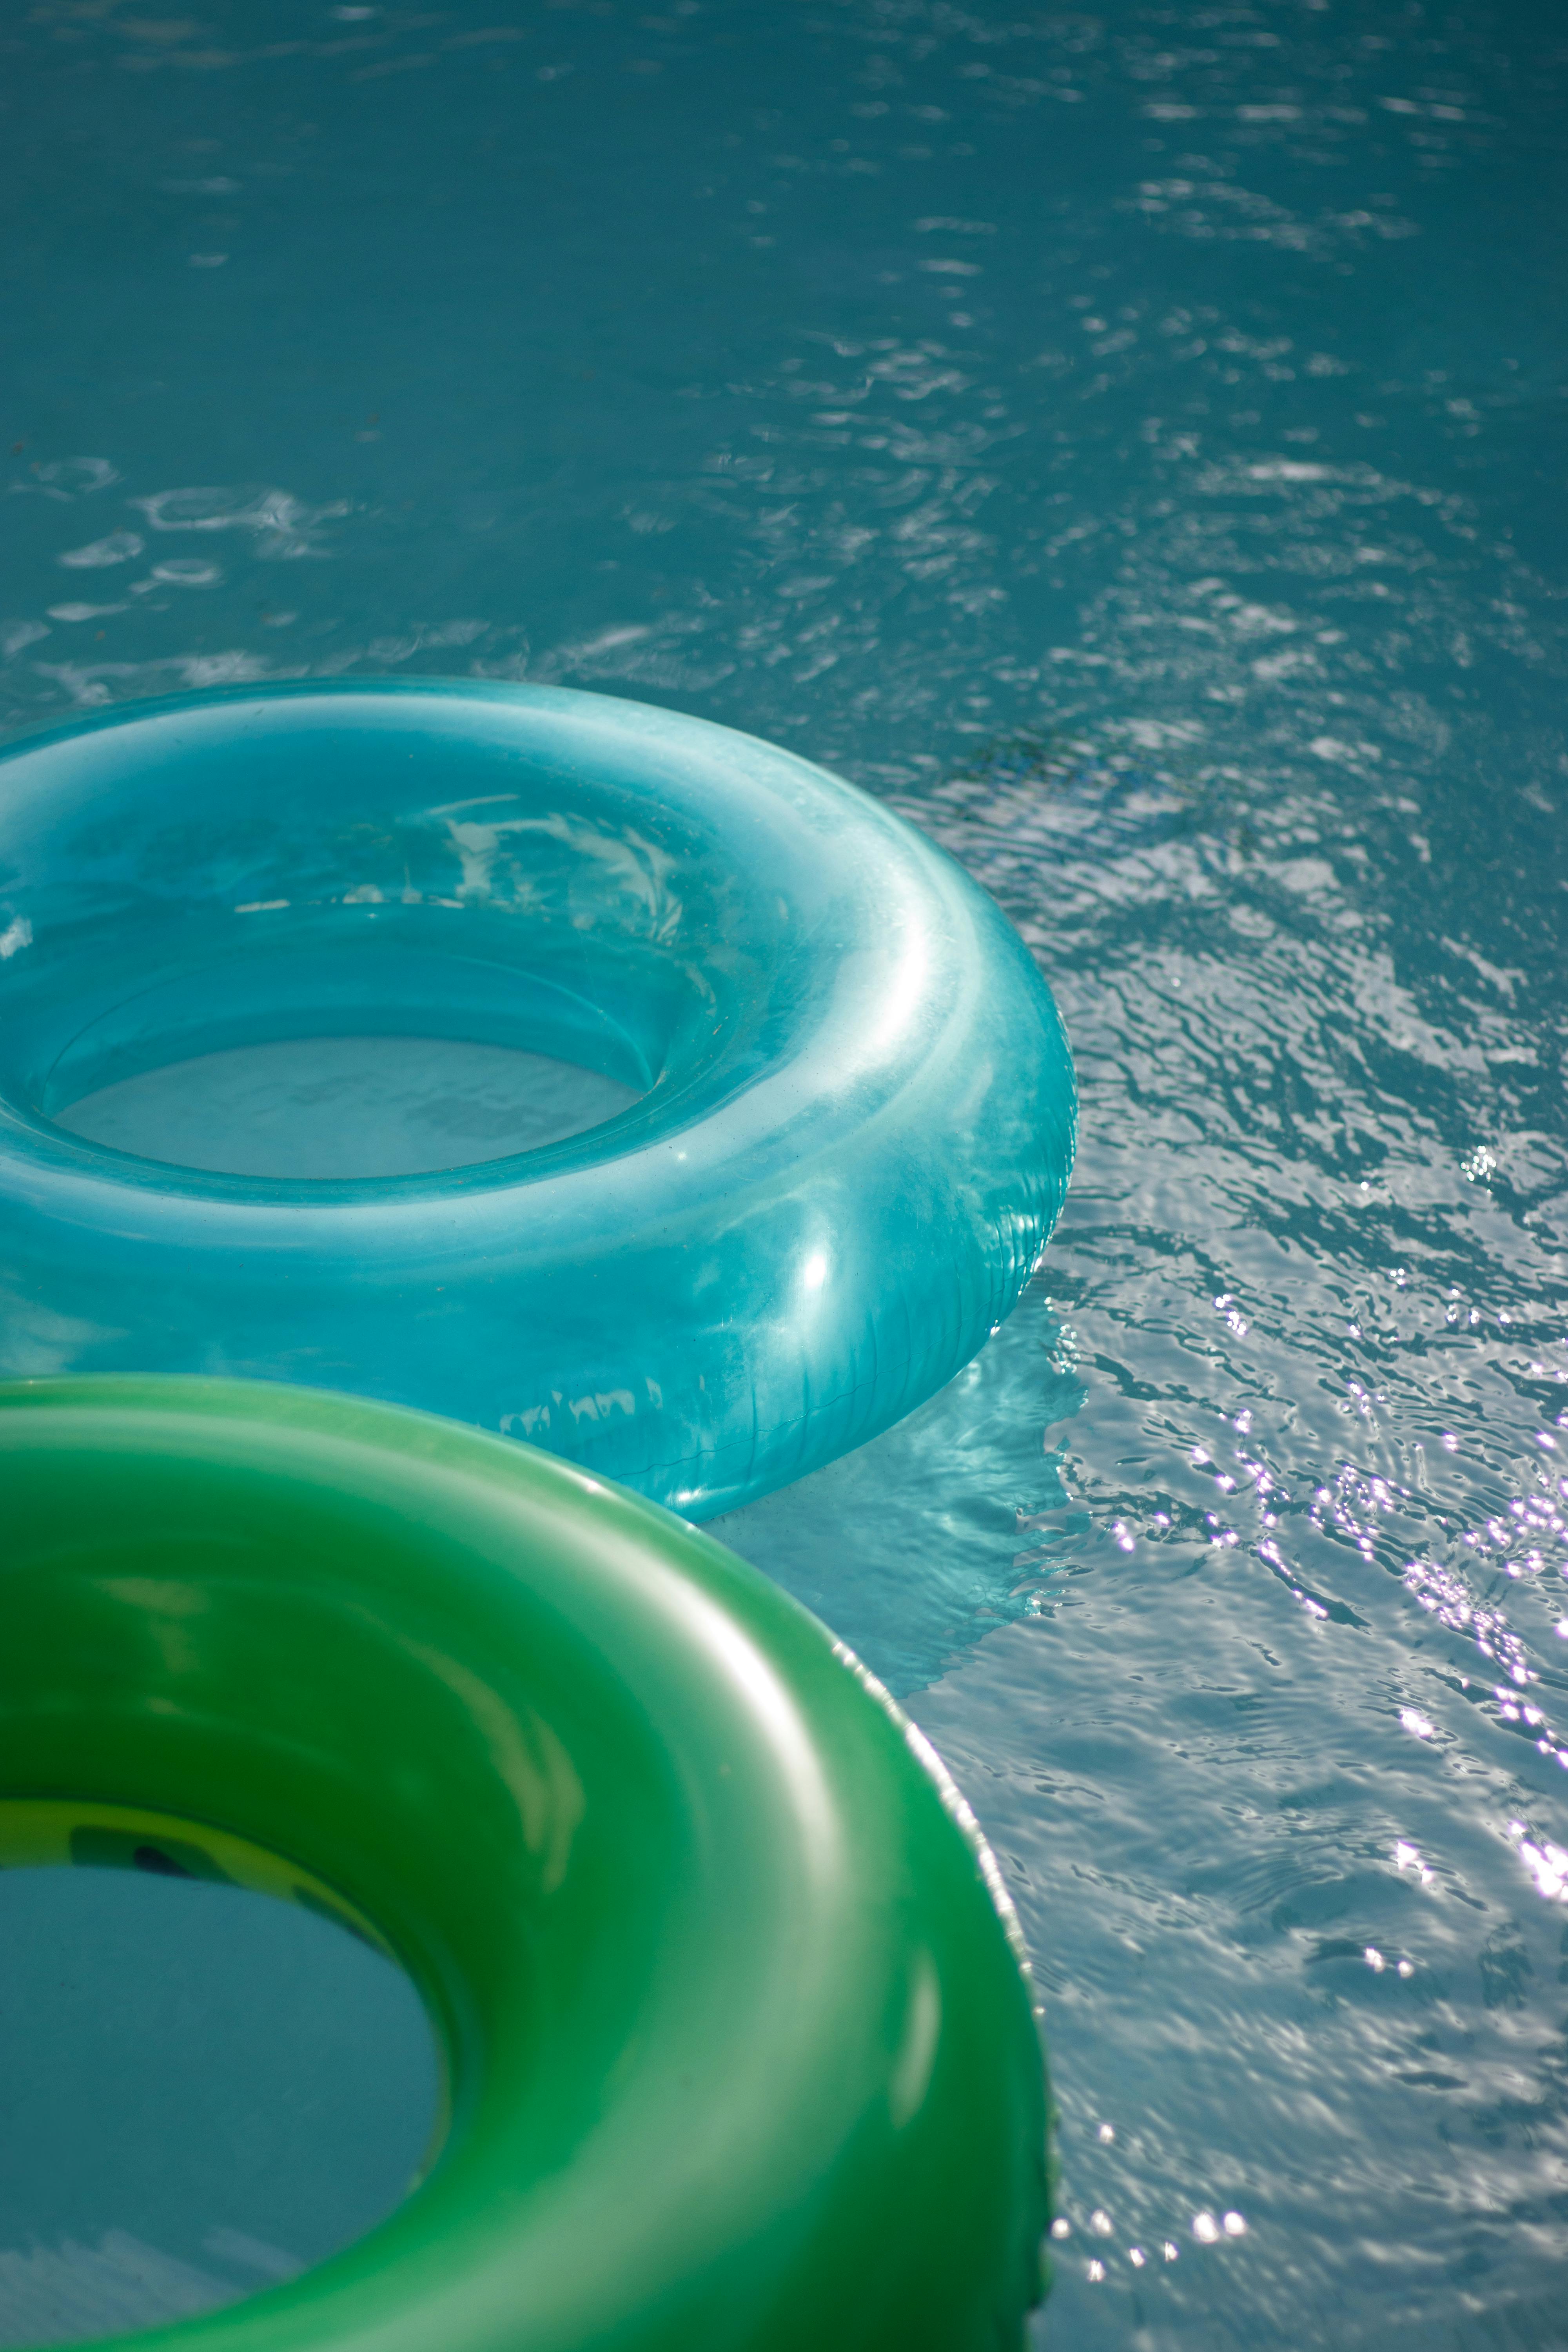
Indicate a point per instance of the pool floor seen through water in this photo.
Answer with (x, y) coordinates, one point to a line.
(1130, 440)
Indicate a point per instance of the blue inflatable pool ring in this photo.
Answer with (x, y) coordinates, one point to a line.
(849, 1111)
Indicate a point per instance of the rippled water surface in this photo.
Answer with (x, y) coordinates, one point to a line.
(1132, 440)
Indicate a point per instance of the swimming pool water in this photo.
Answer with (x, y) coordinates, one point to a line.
(240, 2046)
(337, 1107)
(1132, 439)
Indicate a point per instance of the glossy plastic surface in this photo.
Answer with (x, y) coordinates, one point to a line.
(856, 1112)
(740, 2053)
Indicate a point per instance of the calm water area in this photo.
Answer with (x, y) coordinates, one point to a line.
(1131, 440)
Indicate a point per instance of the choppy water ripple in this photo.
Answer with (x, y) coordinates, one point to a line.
(1304, 1769)
(1130, 439)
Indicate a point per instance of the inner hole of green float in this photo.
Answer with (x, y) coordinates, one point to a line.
(212, 2075)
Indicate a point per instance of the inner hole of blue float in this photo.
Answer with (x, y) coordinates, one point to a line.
(202, 2092)
(343, 1042)
(347, 1105)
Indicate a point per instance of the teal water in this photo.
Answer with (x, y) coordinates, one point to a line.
(196, 2095)
(1131, 440)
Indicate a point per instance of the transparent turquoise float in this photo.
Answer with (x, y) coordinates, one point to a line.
(849, 1110)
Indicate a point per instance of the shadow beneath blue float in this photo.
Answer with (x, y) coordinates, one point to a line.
(947, 1524)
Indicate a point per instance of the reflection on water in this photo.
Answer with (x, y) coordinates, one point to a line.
(69, 2293)
(1131, 437)
(202, 2092)
(335, 1106)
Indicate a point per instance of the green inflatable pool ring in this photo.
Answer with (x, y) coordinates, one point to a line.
(740, 2054)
